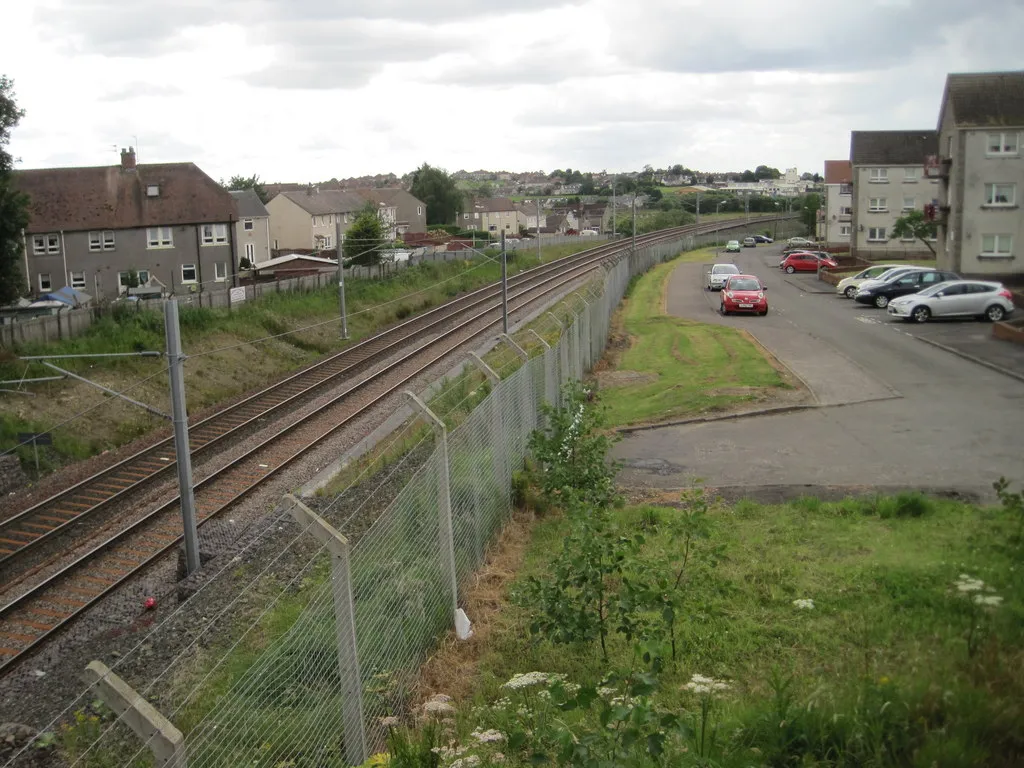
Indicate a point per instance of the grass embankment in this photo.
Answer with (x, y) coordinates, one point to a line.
(895, 664)
(213, 376)
(661, 367)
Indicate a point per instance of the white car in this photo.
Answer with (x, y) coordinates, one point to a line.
(955, 298)
(848, 285)
(802, 241)
(589, 232)
(718, 275)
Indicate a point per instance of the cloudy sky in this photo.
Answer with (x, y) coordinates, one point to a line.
(303, 90)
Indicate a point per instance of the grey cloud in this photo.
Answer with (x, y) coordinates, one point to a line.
(830, 36)
(149, 27)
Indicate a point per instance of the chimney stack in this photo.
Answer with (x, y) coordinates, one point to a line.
(128, 159)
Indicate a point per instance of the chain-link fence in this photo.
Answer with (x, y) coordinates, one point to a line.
(323, 662)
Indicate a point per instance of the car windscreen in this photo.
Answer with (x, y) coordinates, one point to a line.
(931, 290)
(725, 269)
(744, 284)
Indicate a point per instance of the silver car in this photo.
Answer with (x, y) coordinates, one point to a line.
(848, 285)
(718, 275)
(955, 298)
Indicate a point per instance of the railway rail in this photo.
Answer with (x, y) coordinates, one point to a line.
(30, 619)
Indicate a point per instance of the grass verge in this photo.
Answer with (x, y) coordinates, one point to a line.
(660, 367)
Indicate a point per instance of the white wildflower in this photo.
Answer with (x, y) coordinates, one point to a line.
(992, 600)
(804, 604)
(705, 685)
(527, 679)
(485, 737)
(439, 704)
(606, 692)
(498, 757)
(965, 584)
(389, 722)
(466, 762)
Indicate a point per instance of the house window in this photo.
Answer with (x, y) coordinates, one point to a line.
(876, 234)
(247, 225)
(215, 234)
(250, 252)
(419, 210)
(910, 175)
(101, 241)
(996, 245)
(44, 281)
(876, 204)
(465, 216)
(43, 244)
(153, 190)
(188, 273)
(78, 280)
(1002, 144)
(159, 237)
(844, 230)
(909, 203)
(845, 210)
(326, 241)
(845, 189)
(1000, 194)
(878, 175)
(276, 248)
(141, 275)
(220, 271)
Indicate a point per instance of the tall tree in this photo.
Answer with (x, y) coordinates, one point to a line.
(916, 225)
(247, 182)
(809, 213)
(13, 204)
(364, 238)
(439, 192)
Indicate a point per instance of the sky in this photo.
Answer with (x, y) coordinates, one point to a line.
(308, 90)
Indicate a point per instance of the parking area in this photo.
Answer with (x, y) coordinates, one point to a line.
(894, 409)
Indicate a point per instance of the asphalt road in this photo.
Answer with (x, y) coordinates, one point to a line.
(892, 410)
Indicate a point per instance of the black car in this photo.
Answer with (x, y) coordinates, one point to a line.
(763, 239)
(902, 285)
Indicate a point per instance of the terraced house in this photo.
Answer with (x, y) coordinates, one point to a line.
(887, 171)
(981, 166)
(91, 228)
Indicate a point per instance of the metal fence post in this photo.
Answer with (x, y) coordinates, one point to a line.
(344, 627)
(444, 508)
(527, 390)
(498, 454)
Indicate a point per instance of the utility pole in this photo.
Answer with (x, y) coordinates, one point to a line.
(179, 417)
(504, 286)
(634, 222)
(698, 208)
(539, 258)
(341, 276)
(614, 233)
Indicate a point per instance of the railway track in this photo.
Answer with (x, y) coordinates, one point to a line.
(30, 619)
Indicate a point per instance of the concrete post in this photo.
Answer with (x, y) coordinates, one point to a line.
(344, 627)
(444, 508)
(539, 338)
(527, 405)
(497, 424)
(159, 734)
(515, 347)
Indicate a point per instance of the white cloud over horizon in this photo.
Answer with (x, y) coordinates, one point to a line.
(314, 89)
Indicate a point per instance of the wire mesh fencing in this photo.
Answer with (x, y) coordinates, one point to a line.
(336, 649)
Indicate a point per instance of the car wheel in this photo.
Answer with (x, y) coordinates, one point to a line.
(722, 310)
(851, 291)
(881, 302)
(791, 269)
(921, 314)
(763, 313)
(995, 313)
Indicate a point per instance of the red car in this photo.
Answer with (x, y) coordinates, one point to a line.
(744, 293)
(800, 261)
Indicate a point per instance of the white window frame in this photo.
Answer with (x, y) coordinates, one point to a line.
(465, 216)
(49, 282)
(846, 189)
(844, 230)
(250, 252)
(122, 277)
(1004, 149)
(419, 210)
(77, 284)
(913, 203)
(846, 210)
(52, 242)
(214, 234)
(101, 240)
(992, 195)
(325, 242)
(911, 175)
(220, 271)
(247, 225)
(878, 175)
(877, 235)
(878, 205)
(195, 274)
(159, 237)
(997, 249)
